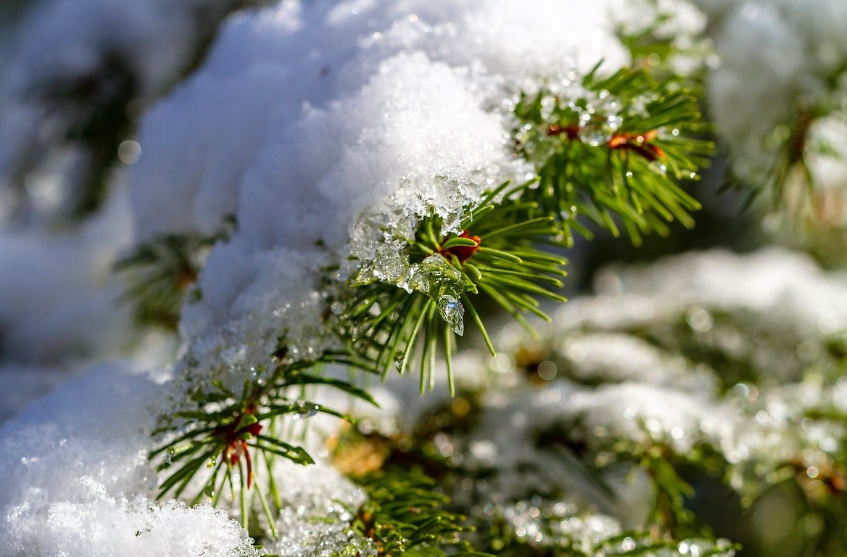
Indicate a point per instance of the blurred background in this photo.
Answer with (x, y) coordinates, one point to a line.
(76, 288)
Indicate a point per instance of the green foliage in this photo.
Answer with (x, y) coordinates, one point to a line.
(668, 54)
(404, 516)
(614, 150)
(495, 256)
(162, 271)
(221, 429)
(612, 155)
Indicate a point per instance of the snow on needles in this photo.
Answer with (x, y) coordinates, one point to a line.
(327, 129)
(78, 482)
(773, 52)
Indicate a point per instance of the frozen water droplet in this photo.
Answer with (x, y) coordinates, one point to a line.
(453, 312)
(305, 411)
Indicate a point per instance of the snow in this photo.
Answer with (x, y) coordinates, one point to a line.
(80, 445)
(59, 292)
(107, 525)
(350, 121)
(96, 47)
(770, 282)
(70, 494)
(327, 130)
(777, 57)
(61, 308)
(773, 308)
(83, 484)
(614, 357)
(608, 380)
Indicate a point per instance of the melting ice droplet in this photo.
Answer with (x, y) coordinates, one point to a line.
(453, 312)
(443, 283)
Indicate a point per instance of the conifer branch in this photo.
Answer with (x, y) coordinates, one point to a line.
(404, 516)
(162, 273)
(615, 152)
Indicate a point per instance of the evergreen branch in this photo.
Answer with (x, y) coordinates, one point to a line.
(224, 431)
(404, 516)
(161, 273)
(496, 257)
(616, 150)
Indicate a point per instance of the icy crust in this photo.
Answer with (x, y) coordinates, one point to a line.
(773, 52)
(349, 122)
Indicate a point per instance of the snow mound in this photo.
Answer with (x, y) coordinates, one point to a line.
(345, 123)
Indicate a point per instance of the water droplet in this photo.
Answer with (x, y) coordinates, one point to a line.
(453, 313)
(305, 411)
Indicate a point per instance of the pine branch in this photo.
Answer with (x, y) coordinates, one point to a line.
(404, 516)
(495, 256)
(498, 253)
(614, 153)
(229, 433)
(162, 272)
